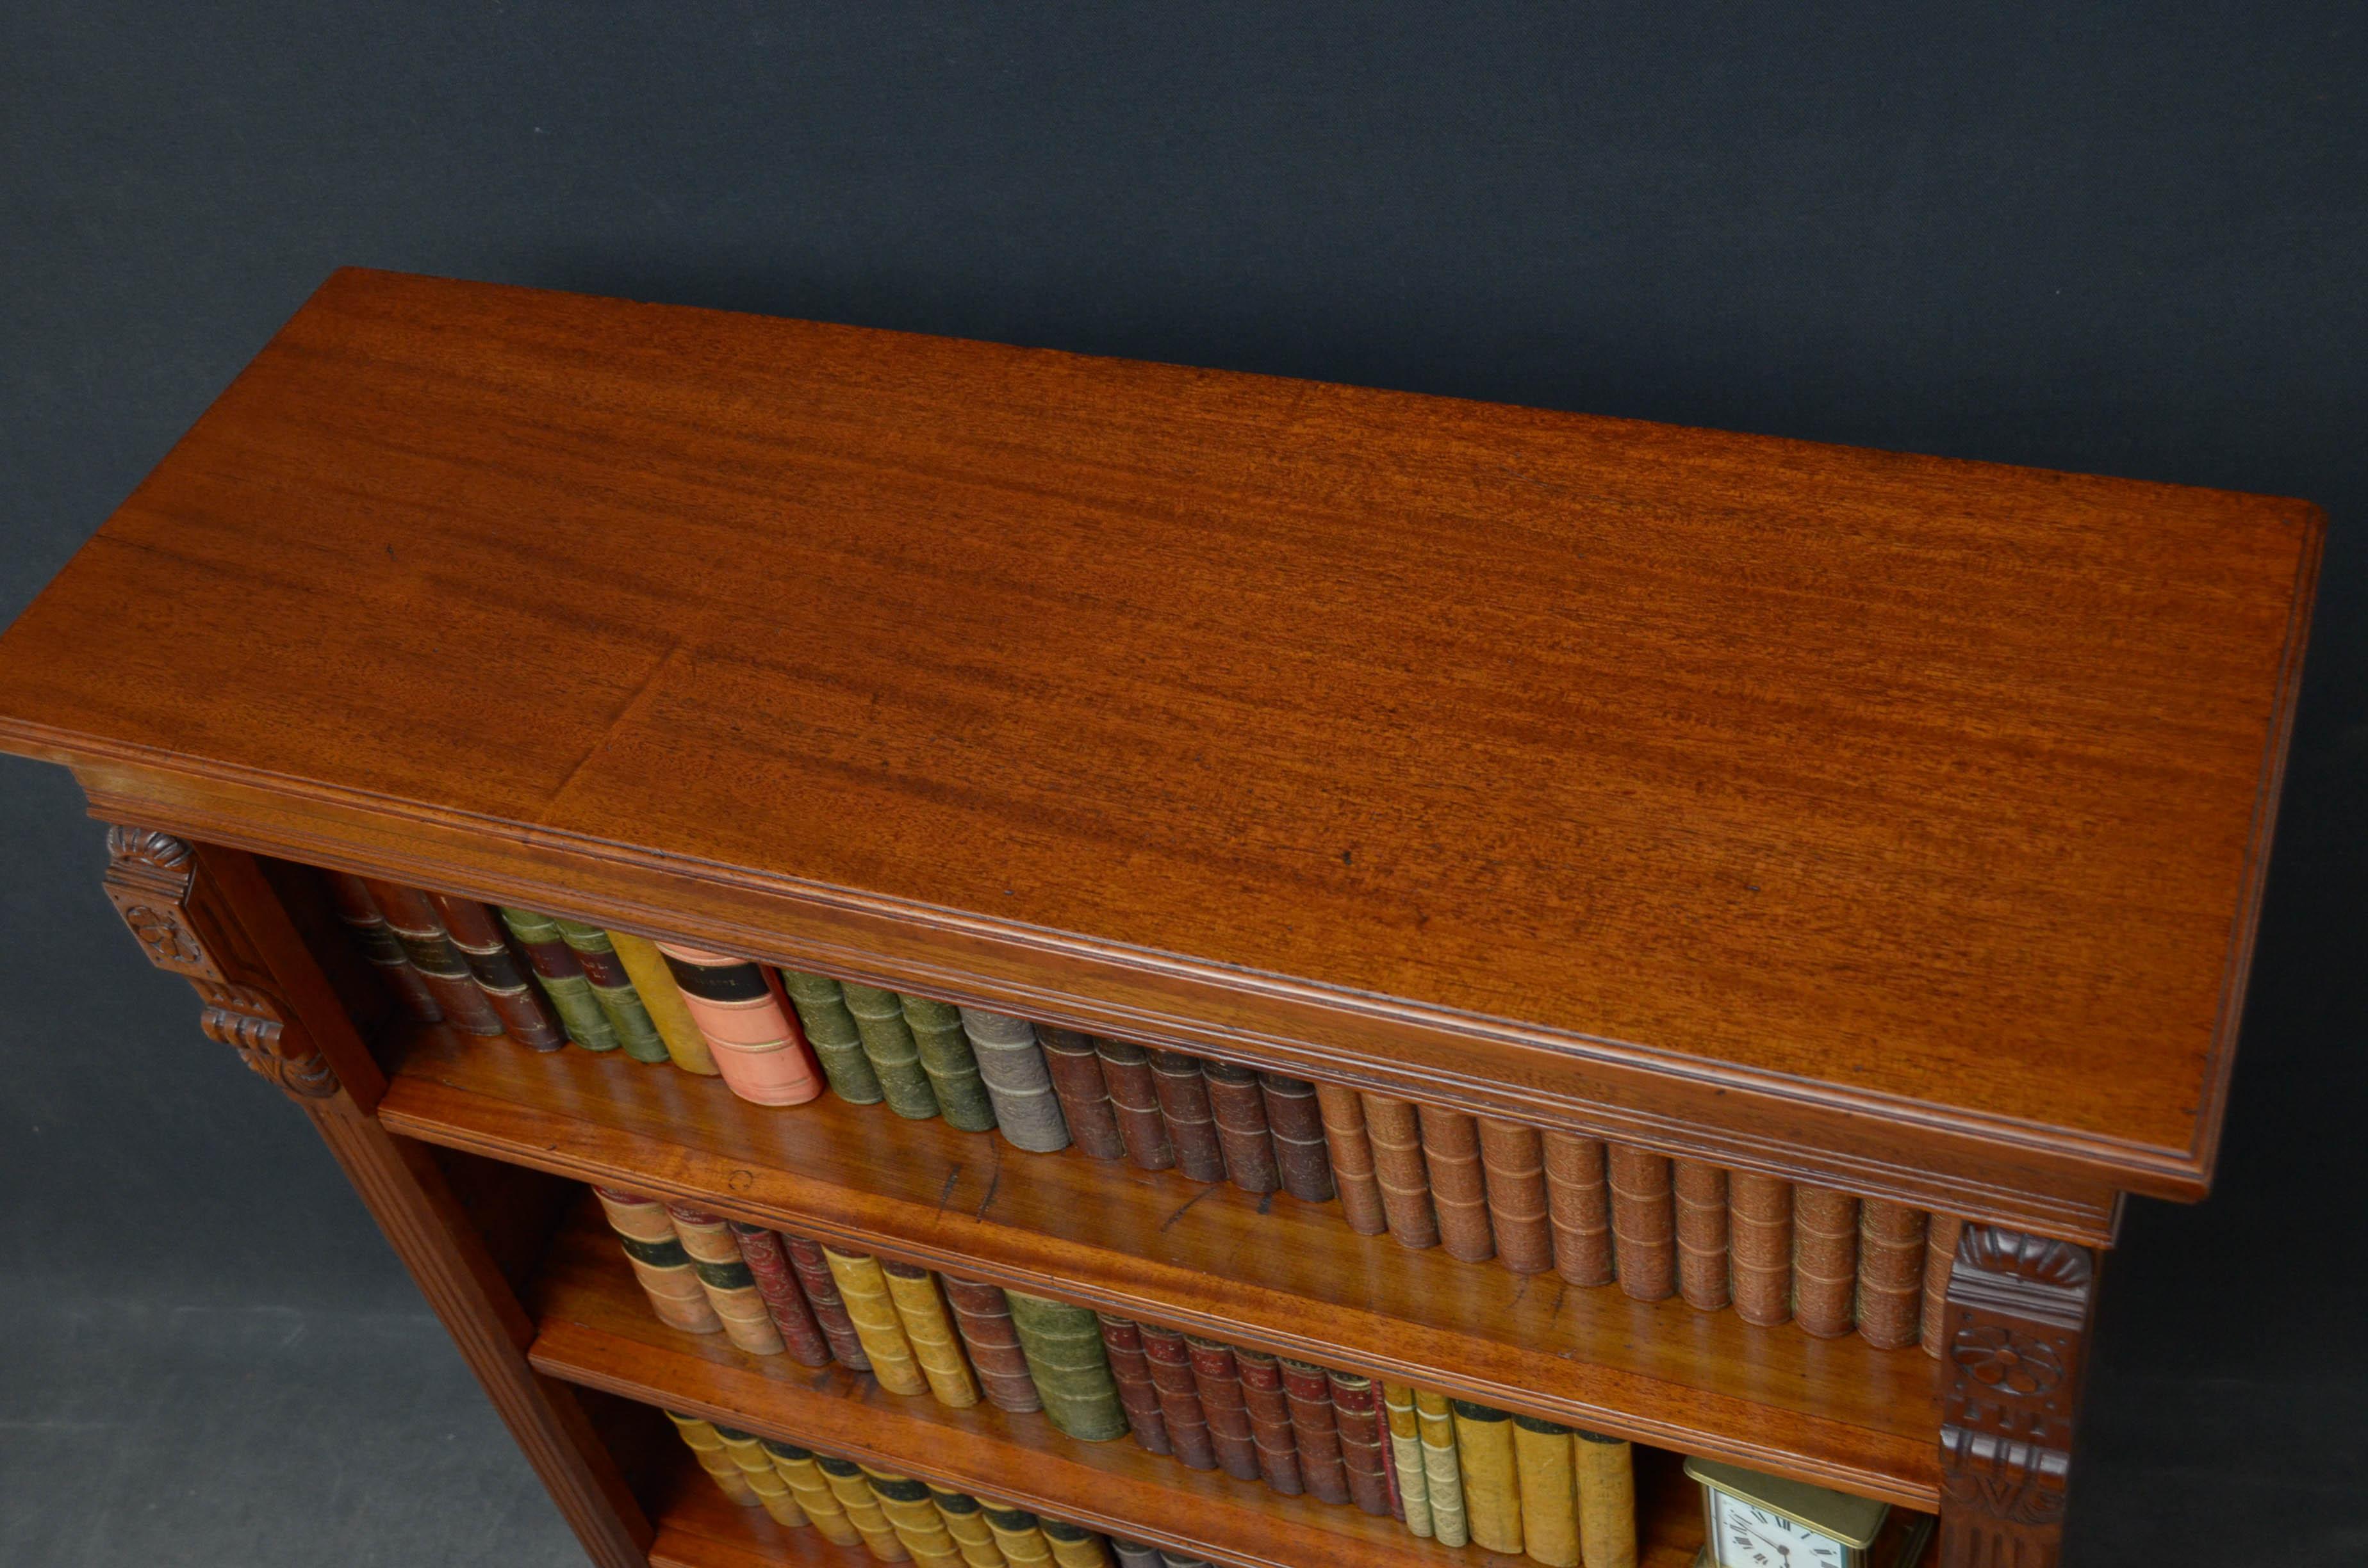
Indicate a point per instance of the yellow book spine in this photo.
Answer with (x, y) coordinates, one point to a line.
(1442, 1473)
(966, 1522)
(1541, 1458)
(906, 1504)
(930, 1329)
(756, 1467)
(1607, 1502)
(707, 1446)
(1492, 1497)
(1406, 1456)
(853, 1490)
(663, 1000)
(1016, 1532)
(796, 1467)
(864, 1289)
(1074, 1546)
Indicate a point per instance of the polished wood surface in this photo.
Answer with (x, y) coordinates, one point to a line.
(1658, 777)
(1267, 1271)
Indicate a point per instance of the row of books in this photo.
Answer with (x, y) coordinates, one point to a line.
(1593, 1211)
(1450, 1469)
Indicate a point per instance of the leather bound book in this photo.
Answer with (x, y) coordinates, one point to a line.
(1578, 1206)
(1074, 1546)
(796, 1467)
(853, 1490)
(635, 1031)
(1179, 1400)
(965, 1520)
(658, 1260)
(830, 1029)
(1442, 1472)
(731, 1286)
(777, 1282)
(1019, 1536)
(1135, 1101)
(756, 1466)
(1549, 1492)
(1364, 1453)
(983, 1319)
(1394, 1131)
(1315, 1428)
(1643, 1224)
(821, 1288)
(653, 981)
(888, 1042)
(1295, 1122)
(1607, 1501)
(1135, 1554)
(376, 941)
(1459, 1189)
(1406, 1456)
(525, 1014)
(948, 1060)
(1130, 1369)
(758, 1050)
(1824, 1260)
(1759, 1247)
(930, 1329)
(707, 1445)
(1076, 1070)
(864, 1290)
(1940, 1257)
(1890, 1273)
(1513, 1160)
(1238, 1109)
(1182, 1560)
(1352, 1156)
(1270, 1414)
(561, 977)
(1184, 1108)
(904, 1503)
(1064, 1347)
(1701, 1193)
(1011, 1065)
(1492, 1495)
(1218, 1382)
(412, 917)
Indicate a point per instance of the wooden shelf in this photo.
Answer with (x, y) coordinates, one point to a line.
(1269, 1272)
(594, 1328)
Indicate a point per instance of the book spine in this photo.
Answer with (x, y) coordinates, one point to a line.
(1064, 1347)
(1011, 1065)
(376, 941)
(524, 1012)
(1548, 1484)
(665, 1270)
(1315, 1428)
(1270, 1414)
(796, 1467)
(853, 1490)
(1018, 1536)
(1130, 1369)
(930, 1329)
(1135, 1554)
(1074, 1546)
(1238, 1112)
(1442, 1473)
(1607, 1501)
(1389, 1463)
(706, 1444)
(1459, 1190)
(1492, 1497)
(1179, 1402)
(1700, 1192)
(904, 1503)
(1394, 1133)
(1578, 1206)
(1182, 1560)
(889, 1045)
(1075, 1071)
(830, 1030)
(1760, 1246)
(1218, 1382)
(949, 1063)
(777, 1282)
(1940, 1257)
(561, 977)
(1890, 1273)
(1406, 1458)
(1135, 1101)
(1295, 1119)
(820, 1289)
(756, 1468)
(984, 1318)
(864, 1289)
(1184, 1108)
(1824, 1260)
(1352, 1156)
(1513, 1158)
(730, 1285)
(966, 1522)
(1356, 1420)
(412, 917)
(758, 1050)
(1643, 1224)
(614, 987)
(653, 982)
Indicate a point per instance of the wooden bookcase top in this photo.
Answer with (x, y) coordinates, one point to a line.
(1811, 807)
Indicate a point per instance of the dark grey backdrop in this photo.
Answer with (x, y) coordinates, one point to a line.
(2120, 239)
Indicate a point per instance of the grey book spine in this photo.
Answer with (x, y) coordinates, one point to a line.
(1011, 1065)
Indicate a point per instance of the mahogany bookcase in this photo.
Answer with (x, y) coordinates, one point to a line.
(1866, 819)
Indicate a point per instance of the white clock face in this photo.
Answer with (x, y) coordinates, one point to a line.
(1753, 1538)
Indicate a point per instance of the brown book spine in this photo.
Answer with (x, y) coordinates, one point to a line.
(665, 1272)
(524, 1012)
(1184, 1108)
(1579, 1203)
(1296, 1122)
(1239, 1109)
(429, 947)
(1890, 1273)
(1134, 1100)
(1130, 1369)
(1179, 1400)
(1607, 1501)
(730, 1285)
(1514, 1163)
(376, 942)
(1459, 1189)
(1351, 1154)
(1357, 1419)
(822, 1294)
(1760, 1244)
(1218, 1382)
(984, 1317)
(1315, 1428)
(1076, 1073)
(1824, 1260)
(930, 1330)
(777, 1282)
(864, 1290)
(1549, 1489)
(1644, 1226)
(1940, 1257)
(1394, 1133)
(1270, 1412)
(1701, 1192)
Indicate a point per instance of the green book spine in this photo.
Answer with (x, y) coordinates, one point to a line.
(888, 1042)
(636, 1031)
(830, 1029)
(946, 1057)
(561, 979)
(1064, 1347)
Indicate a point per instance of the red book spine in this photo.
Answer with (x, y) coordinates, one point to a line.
(377, 940)
(526, 1013)
(1269, 1412)
(1184, 1106)
(776, 1282)
(1130, 1369)
(982, 1316)
(1242, 1140)
(1135, 1101)
(1357, 1416)
(1315, 1428)
(1296, 1121)
(1459, 1192)
(1076, 1073)
(822, 1295)
(1179, 1400)
(431, 952)
(1219, 1383)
